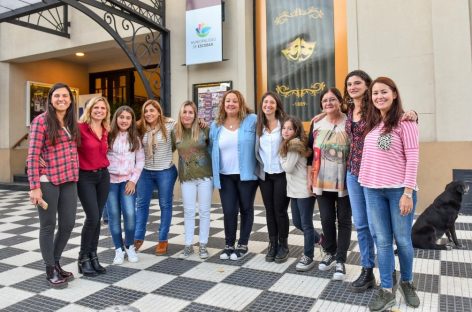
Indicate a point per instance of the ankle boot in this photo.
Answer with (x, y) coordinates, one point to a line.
(365, 281)
(67, 275)
(54, 278)
(85, 266)
(271, 250)
(95, 264)
(282, 251)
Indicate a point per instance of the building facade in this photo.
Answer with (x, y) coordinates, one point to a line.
(424, 45)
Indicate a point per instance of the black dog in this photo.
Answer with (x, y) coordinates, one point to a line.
(439, 219)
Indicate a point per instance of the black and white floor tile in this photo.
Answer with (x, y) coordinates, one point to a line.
(443, 278)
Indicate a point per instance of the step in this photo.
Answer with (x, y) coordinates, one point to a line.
(14, 186)
(20, 178)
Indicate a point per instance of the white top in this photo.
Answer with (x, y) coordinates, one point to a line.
(294, 165)
(269, 144)
(229, 156)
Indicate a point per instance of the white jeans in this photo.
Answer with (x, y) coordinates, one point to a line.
(203, 188)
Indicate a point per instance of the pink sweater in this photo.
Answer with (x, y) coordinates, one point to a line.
(124, 165)
(392, 167)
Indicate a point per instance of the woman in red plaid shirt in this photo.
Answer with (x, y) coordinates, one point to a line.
(53, 137)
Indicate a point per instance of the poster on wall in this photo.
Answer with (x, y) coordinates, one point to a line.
(37, 99)
(203, 30)
(207, 97)
(300, 53)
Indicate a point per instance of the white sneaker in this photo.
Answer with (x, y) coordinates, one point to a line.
(132, 256)
(340, 272)
(202, 251)
(119, 256)
(188, 250)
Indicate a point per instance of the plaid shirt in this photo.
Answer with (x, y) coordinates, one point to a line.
(62, 161)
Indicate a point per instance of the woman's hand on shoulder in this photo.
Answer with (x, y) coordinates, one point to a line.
(318, 117)
(202, 123)
(410, 116)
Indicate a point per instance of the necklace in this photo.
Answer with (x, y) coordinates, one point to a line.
(232, 126)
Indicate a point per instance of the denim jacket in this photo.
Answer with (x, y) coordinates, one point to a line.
(246, 149)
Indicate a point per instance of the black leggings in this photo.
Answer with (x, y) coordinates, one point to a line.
(274, 196)
(333, 207)
(62, 201)
(93, 190)
(237, 197)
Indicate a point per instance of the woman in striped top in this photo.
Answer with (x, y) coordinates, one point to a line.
(159, 172)
(388, 173)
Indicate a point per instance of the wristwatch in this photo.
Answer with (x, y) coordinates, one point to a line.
(409, 195)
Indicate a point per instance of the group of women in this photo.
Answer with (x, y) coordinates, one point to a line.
(360, 157)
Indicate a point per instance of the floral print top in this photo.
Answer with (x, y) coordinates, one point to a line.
(355, 131)
(194, 157)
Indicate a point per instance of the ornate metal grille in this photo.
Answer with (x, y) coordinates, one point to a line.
(138, 27)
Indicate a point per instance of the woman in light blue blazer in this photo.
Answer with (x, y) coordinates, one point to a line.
(232, 144)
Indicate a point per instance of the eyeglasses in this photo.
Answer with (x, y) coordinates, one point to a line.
(330, 100)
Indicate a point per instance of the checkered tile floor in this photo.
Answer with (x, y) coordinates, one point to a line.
(443, 278)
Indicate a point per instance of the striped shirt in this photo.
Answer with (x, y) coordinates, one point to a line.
(391, 161)
(62, 162)
(124, 164)
(162, 151)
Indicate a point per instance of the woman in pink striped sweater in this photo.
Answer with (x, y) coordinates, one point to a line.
(388, 172)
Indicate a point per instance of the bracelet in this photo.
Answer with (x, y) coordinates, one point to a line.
(409, 195)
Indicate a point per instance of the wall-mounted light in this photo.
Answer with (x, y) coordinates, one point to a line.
(80, 54)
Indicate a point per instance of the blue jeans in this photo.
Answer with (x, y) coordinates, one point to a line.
(119, 203)
(359, 214)
(385, 221)
(302, 217)
(164, 181)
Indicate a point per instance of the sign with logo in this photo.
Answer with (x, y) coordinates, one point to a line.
(203, 32)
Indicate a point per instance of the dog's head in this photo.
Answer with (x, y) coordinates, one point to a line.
(458, 186)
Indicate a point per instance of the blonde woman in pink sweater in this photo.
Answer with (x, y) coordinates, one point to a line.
(388, 173)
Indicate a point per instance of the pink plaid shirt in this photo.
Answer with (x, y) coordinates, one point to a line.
(62, 161)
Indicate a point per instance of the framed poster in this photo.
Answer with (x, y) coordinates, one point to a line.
(301, 50)
(37, 98)
(207, 97)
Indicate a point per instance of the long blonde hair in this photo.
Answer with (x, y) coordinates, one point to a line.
(244, 110)
(179, 127)
(161, 119)
(87, 115)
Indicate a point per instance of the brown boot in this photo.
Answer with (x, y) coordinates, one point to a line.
(138, 243)
(161, 248)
